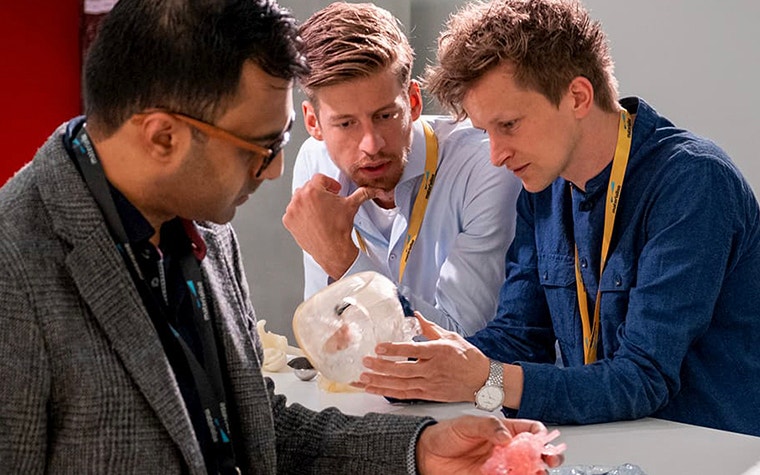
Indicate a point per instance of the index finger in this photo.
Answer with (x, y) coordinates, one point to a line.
(324, 181)
(418, 350)
(429, 329)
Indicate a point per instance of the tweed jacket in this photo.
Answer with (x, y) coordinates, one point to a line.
(86, 386)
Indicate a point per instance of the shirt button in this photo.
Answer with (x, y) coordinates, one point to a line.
(145, 253)
(618, 281)
(393, 257)
(584, 263)
(585, 206)
(546, 275)
(154, 282)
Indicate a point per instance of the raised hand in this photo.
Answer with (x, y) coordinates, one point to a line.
(321, 222)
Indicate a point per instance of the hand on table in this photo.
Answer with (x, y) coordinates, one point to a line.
(447, 368)
(464, 444)
(321, 222)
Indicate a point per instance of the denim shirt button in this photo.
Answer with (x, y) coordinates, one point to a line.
(546, 275)
(618, 281)
(584, 263)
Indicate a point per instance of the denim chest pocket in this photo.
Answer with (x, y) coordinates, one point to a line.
(556, 271)
(557, 277)
(618, 279)
(619, 274)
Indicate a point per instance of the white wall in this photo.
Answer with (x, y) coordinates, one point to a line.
(695, 61)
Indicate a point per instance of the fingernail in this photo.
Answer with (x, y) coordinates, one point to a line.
(364, 378)
(380, 350)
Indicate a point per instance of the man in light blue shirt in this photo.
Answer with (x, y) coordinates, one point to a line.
(356, 181)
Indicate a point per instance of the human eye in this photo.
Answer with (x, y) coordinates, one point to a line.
(508, 126)
(388, 115)
(344, 124)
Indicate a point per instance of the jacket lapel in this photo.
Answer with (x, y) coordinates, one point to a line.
(235, 324)
(108, 291)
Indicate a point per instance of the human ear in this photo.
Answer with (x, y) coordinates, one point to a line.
(415, 100)
(163, 137)
(310, 120)
(581, 96)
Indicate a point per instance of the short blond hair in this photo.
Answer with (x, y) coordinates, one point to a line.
(548, 42)
(347, 41)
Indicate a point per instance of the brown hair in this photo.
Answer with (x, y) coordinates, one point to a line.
(347, 41)
(548, 42)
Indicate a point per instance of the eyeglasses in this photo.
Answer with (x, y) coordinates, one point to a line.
(267, 154)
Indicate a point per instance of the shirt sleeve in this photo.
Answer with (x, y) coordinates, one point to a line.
(482, 200)
(306, 165)
(688, 236)
(522, 329)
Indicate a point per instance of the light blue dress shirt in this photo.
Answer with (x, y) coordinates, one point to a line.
(456, 267)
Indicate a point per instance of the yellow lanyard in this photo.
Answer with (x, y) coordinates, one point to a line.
(420, 203)
(619, 163)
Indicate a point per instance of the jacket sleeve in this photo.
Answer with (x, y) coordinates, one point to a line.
(24, 372)
(330, 441)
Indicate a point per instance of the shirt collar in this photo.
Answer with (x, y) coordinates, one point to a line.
(643, 112)
(415, 165)
(178, 236)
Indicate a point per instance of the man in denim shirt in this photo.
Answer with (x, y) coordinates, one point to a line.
(657, 315)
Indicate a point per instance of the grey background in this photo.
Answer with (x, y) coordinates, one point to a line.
(695, 61)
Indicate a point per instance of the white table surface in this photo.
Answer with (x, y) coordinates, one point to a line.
(659, 447)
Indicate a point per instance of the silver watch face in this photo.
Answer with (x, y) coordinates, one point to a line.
(489, 398)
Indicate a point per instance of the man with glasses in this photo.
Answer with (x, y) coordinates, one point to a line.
(127, 336)
(378, 187)
(267, 153)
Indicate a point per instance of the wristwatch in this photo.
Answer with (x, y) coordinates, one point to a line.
(491, 396)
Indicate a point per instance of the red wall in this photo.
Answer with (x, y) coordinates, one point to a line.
(39, 75)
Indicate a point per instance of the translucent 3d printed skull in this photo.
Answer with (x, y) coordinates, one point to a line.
(342, 323)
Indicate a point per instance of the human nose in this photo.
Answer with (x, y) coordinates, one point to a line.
(499, 152)
(372, 140)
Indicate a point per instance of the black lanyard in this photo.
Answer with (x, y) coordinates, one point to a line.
(208, 380)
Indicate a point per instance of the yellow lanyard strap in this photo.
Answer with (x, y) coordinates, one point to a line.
(619, 164)
(420, 203)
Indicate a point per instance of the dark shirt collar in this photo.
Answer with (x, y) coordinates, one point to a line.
(137, 227)
(178, 236)
(598, 184)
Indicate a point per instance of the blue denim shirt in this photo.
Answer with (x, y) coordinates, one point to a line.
(680, 293)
